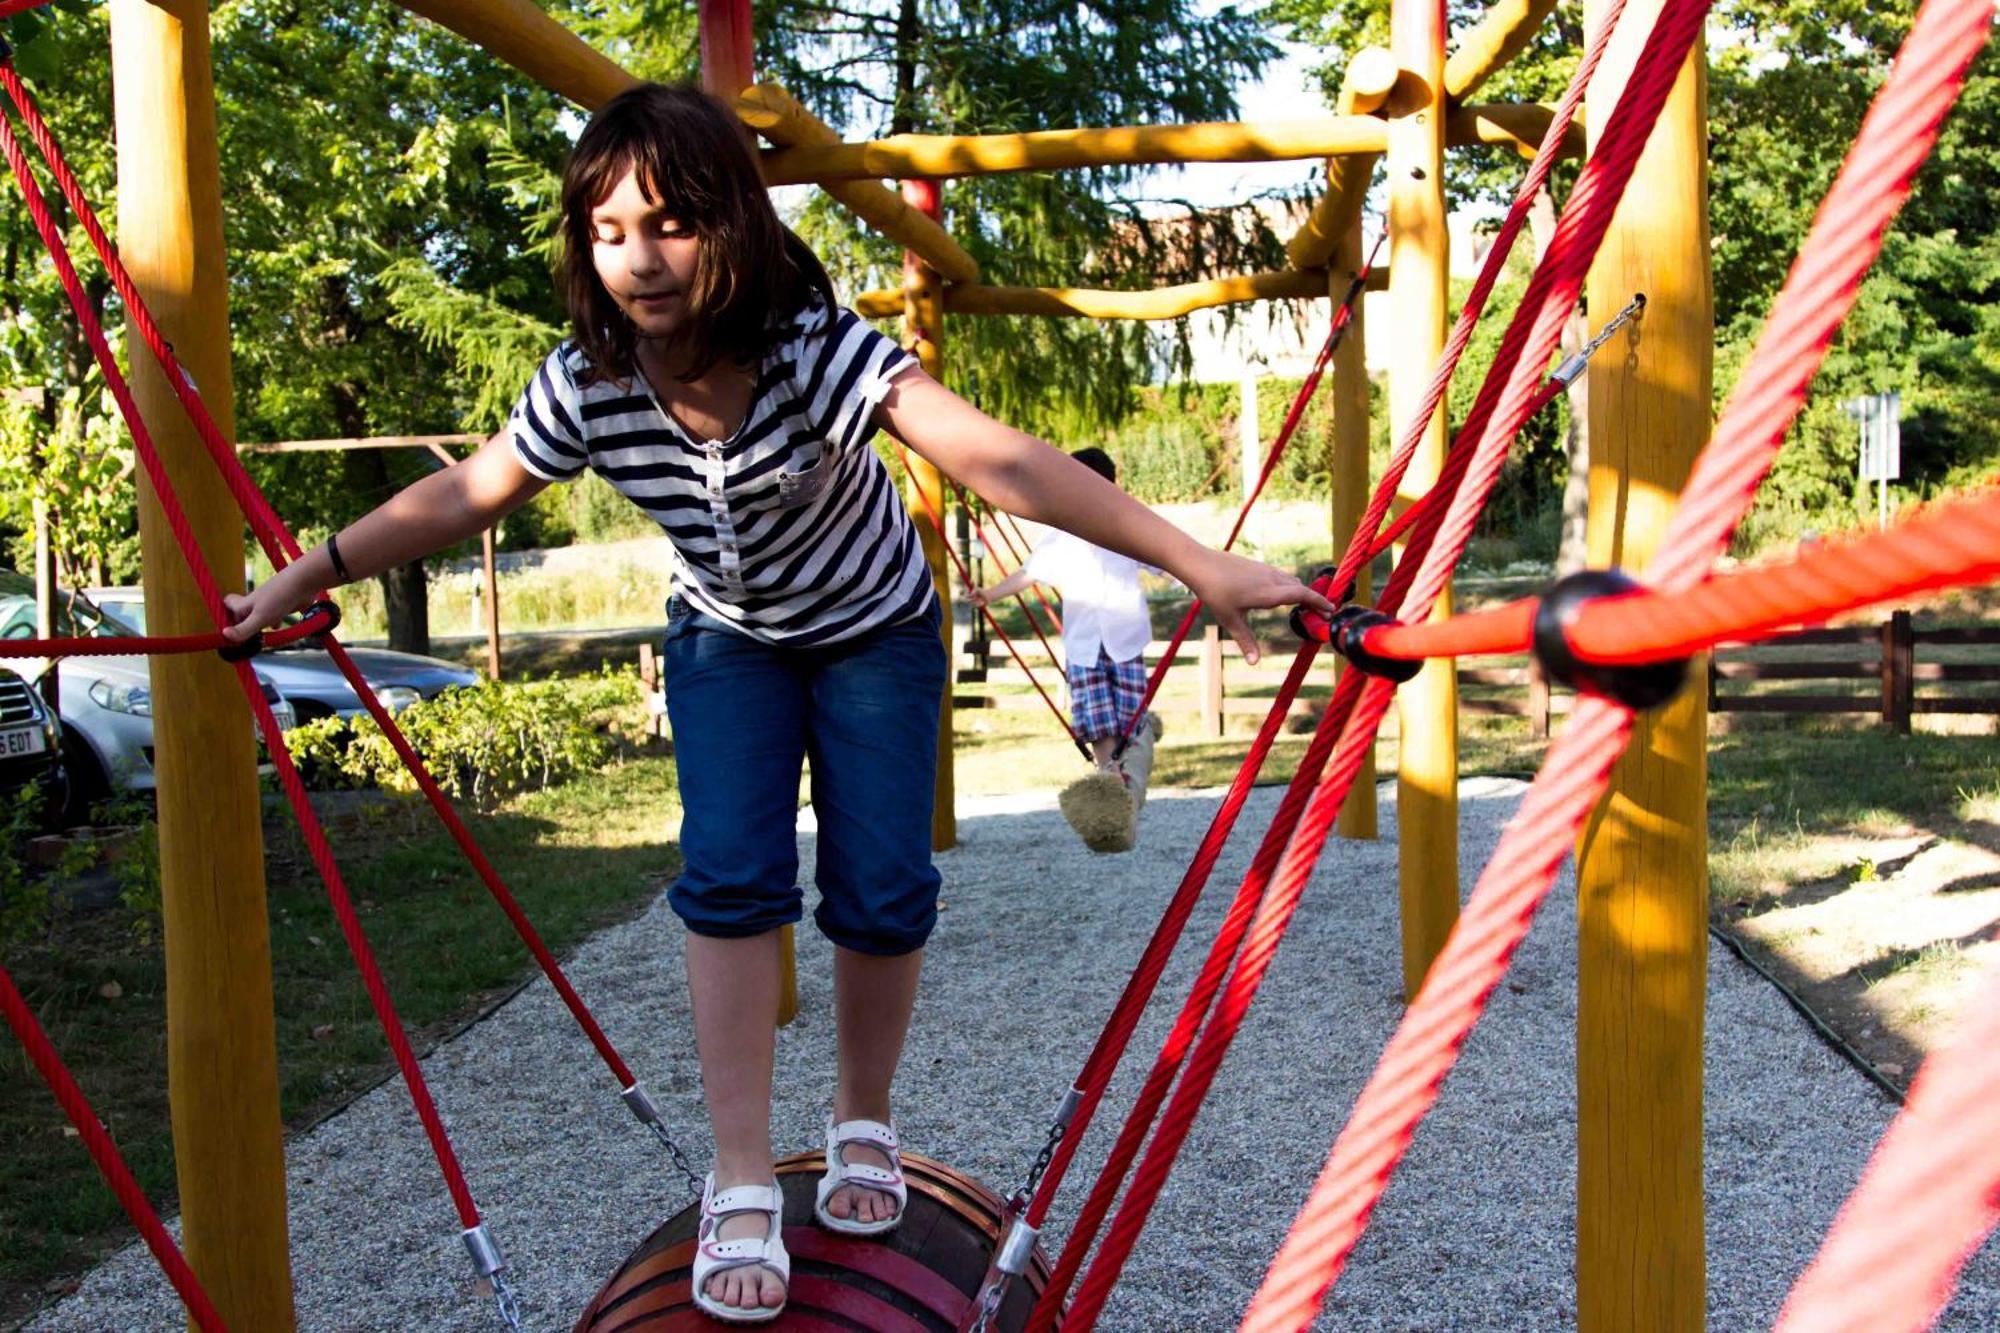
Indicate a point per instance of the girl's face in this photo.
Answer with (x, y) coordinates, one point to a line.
(644, 256)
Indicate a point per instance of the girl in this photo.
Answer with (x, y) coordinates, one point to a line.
(712, 378)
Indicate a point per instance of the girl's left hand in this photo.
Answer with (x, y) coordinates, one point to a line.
(1230, 585)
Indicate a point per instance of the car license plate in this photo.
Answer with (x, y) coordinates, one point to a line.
(26, 740)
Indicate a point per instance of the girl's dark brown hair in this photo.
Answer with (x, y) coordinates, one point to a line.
(694, 159)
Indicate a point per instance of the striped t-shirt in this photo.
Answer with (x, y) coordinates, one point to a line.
(791, 529)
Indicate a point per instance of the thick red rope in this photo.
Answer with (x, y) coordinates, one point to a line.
(42, 1054)
(1817, 295)
(1356, 709)
(944, 539)
(274, 740)
(1015, 553)
(139, 645)
(1342, 317)
(280, 546)
(979, 531)
(1929, 1195)
(1953, 543)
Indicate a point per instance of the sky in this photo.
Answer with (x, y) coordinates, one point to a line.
(1286, 92)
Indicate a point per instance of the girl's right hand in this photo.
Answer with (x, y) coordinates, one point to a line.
(262, 607)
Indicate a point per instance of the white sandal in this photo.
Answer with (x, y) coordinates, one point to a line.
(718, 1256)
(887, 1180)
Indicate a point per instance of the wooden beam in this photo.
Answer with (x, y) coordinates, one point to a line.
(773, 113)
(1519, 125)
(1348, 468)
(430, 442)
(923, 334)
(1642, 862)
(1492, 42)
(1364, 86)
(1105, 303)
(221, 1049)
(520, 34)
(946, 155)
(1419, 287)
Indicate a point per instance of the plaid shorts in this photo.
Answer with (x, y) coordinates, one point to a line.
(1104, 696)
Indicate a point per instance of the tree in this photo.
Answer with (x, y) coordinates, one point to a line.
(874, 67)
(1789, 82)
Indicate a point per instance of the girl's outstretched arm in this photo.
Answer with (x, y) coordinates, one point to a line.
(440, 510)
(1002, 590)
(1025, 476)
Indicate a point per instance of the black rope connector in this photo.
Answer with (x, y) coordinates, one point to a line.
(1310, 624)
(1638, 686)
(329, 608)
(244, 651)
(1350, 624)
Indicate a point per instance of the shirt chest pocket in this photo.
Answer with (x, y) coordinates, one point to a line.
(805, 485)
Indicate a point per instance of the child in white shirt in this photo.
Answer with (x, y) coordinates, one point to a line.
(1105, 624)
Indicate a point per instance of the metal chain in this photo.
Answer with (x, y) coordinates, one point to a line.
(1618, 321)
(510, 1308)
(1025, 1195)
(989, 1305)
(1570, 369)
(694, 1181)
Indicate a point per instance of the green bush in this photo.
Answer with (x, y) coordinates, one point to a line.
(482, 743)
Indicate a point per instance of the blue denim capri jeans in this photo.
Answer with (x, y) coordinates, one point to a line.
(744, 715)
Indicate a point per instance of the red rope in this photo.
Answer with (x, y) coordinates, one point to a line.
(135, 645)
(944, 539)
(42, 1054)
(1954, 543)
(280, 546)
(1928, 1196)
(1342, 317)
(1357, 708)
(1817, 294)
(9, 8)
(274, 740)
(1001, 518)
(980, 532)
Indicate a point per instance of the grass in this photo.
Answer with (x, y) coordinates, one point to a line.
(578, 857)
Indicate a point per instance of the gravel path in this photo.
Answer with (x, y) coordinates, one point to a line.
(1035, 939)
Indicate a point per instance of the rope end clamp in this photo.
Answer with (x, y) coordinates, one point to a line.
(1638, 685)
(1313, 625)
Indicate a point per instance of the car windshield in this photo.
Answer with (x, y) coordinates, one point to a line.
(76, 616)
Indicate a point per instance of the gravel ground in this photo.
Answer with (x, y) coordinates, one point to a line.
(1036, 936)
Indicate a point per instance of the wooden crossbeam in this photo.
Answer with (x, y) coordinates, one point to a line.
(941, 155)
(532, 42)
(1364, 87)
(1103, 303)
(364, 442)
(773, 113)
(523, 36)
(1492, 42)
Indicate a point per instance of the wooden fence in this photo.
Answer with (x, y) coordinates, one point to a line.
(1893, 657)
(1211, 683)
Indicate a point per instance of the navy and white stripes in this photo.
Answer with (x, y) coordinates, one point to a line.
(791, 529)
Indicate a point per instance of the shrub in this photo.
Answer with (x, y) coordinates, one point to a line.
(482, 742)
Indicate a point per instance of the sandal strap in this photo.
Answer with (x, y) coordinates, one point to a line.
(871, 1132)
(745, 1199)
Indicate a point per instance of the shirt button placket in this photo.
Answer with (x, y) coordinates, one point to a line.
(728, 552)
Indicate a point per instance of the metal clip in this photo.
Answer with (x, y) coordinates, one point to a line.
(641, 1104)
(1017, 1249)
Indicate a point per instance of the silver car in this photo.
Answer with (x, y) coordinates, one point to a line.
(106, 703)
(309, 678)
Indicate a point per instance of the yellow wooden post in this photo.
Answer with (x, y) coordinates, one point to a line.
(222, 1079)
(1358, 814)
(923, 334)
(1642, 865)
(1419, 277)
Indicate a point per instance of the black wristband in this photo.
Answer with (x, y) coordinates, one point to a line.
(339, 565)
